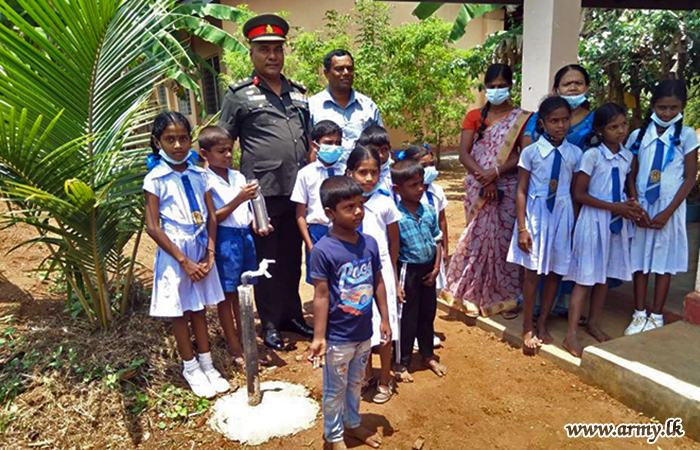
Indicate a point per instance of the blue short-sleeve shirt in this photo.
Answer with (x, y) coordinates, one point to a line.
(351, 271)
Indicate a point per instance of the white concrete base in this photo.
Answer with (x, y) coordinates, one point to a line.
(285, 409)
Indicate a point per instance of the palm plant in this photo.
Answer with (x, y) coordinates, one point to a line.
(76, 79)
(467, 12)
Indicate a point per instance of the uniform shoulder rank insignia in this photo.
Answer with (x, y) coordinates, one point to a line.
(239, 84)
(299, 86)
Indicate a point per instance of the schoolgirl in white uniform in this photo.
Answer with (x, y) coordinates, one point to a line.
(381, 222)
(541, 242)
(665, 172)
(180, 219)
(601, 247)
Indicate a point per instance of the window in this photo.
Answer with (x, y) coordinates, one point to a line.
(162, 96)
(185, 104)
(210, 82)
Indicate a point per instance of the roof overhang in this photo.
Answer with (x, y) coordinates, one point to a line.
(623, 4)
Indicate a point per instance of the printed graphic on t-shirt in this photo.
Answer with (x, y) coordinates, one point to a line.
(356, 288)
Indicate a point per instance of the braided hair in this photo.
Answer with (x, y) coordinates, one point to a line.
(668, 88)
(493, 72)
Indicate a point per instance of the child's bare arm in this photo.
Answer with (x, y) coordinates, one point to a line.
(156, 233)
(442, 220)
(208, 259)
(317, 350)
(690, 170)
(303, 226)
(524, 238)
(380, 298)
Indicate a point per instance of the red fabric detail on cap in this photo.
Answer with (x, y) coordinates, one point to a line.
(262, 29)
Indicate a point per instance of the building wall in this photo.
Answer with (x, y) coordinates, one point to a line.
(309, 14)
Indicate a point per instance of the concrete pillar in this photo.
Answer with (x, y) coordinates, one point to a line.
(550, 41)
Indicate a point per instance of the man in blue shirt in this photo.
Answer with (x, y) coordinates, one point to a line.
(339, 102)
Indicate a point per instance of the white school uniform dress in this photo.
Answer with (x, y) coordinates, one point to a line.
(551, 232)
(173, 291)
(666, 250)
(307, 190)
(380, 211)
(435, 197)
(598, 253)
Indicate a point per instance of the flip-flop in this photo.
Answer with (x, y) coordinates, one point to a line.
(509, 315)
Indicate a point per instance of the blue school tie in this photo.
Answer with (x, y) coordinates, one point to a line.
(554, 180)
(431, 201)
(616, 220)
(330, 172)
(192, 200)
(197, 217)
(654, 183)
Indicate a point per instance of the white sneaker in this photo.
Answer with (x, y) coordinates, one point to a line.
(218, 382)
(199, 383)
(636, 326)
(653, 324)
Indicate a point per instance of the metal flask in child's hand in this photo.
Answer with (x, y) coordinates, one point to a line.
(260, 217)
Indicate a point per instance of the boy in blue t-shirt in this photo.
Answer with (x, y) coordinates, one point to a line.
(419, 266)
(346, 270)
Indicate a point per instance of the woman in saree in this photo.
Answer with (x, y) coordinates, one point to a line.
(479, 278)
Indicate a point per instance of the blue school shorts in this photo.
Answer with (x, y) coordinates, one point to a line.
(235, 254)
(316, 232)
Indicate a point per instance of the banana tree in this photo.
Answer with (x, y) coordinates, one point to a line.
(76, 80)
(466, 13)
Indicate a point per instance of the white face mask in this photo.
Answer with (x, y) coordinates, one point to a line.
(574, 100)
(497, 96)
(173, 161)
(386, 165)
(657, 120)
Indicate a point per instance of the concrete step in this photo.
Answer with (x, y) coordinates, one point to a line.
(657, 372)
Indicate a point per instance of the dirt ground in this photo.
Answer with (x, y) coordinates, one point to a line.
(493, 396)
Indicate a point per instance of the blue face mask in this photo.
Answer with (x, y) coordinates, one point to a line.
(430, 173)
(574, 100)
(328, 153)
(173, 161)
(657, 120)
(497, 96)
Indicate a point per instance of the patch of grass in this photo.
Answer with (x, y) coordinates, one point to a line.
(177, 406)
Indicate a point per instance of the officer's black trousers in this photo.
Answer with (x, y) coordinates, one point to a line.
(277, 299)
(418, 311)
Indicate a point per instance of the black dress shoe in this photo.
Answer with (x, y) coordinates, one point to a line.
(299, 327)
(272, 338)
